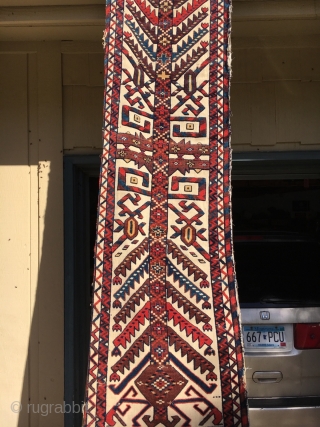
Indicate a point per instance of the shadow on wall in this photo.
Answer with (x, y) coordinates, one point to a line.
(42, 394)
(31, 171)
(40, 376)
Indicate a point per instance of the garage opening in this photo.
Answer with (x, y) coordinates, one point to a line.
(276, 241)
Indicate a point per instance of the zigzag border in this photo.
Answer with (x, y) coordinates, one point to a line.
(222, 266)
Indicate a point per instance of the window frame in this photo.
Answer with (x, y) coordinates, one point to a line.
(78, 169)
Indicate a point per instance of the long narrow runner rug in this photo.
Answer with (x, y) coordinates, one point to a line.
(165, 338)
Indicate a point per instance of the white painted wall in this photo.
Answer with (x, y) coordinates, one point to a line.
(31, 233)
(51, 97)
(275, 94)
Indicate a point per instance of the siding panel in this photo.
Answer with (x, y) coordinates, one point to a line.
(241, 113)
(82, 110)
(289, 111)
(310, 98)
(263, 114)
(50, 301)
(14, 235)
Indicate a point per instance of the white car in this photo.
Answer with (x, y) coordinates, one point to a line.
(281, 327)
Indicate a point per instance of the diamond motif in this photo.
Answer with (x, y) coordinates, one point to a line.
(160, 384)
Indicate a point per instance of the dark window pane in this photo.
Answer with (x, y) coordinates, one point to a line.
(278, 272)
(276, 241)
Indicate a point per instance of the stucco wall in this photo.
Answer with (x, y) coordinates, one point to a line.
(51, 104)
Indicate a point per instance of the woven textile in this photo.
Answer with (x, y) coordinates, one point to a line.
(165, 338)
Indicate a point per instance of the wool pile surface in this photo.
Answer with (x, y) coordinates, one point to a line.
(165, 336)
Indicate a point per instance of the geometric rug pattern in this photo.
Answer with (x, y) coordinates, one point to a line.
(165, 344)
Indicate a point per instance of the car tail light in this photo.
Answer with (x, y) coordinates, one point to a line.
(307, 336)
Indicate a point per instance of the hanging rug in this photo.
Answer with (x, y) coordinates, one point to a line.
(165, 336)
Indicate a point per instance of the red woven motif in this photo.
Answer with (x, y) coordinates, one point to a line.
(165, 339)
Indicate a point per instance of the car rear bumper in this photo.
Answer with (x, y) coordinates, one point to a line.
(285, 416)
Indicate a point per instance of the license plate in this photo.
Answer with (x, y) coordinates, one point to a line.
(268, 336)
